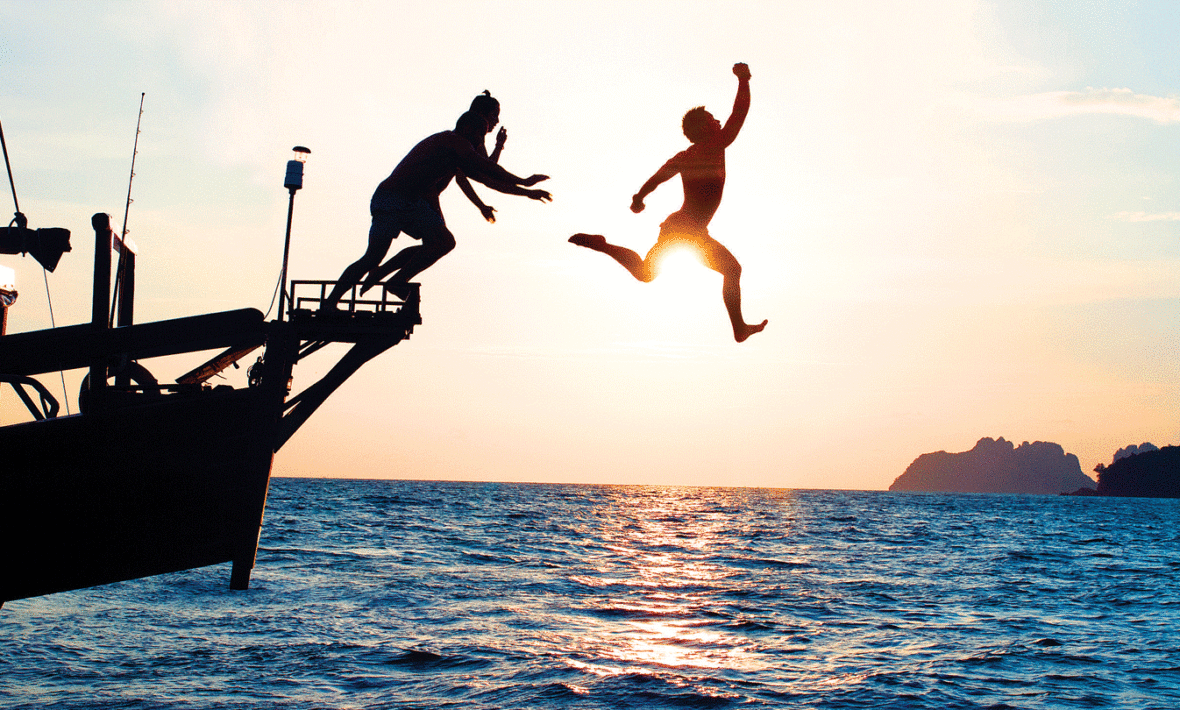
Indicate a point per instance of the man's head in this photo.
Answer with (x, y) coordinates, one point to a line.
(472, 126)
(698, 124)
(488, 107)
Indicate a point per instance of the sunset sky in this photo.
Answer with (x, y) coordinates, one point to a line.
(960, 218)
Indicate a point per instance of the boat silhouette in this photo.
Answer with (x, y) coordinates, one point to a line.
(149, 477)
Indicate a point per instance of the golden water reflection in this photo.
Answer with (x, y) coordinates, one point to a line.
(669, 599)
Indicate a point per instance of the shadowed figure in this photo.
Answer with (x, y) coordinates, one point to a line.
(702, 170)
(407, 202)
(489, 108)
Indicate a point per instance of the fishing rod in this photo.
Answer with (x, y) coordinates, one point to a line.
(126, 211)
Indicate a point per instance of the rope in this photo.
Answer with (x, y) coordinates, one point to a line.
(20, 221)
(274, 296)
(53, 324)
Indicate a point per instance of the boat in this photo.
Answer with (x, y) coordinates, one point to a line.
(150, 478)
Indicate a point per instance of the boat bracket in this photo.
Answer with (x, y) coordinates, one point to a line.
(47, 408)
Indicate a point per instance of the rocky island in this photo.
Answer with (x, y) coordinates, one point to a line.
(1143, 471)
(996, 466)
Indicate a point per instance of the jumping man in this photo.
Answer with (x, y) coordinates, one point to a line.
(488, 108)
(702, 170)
(407, 201)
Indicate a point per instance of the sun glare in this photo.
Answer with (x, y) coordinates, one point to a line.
(685, 288)
(678, 262)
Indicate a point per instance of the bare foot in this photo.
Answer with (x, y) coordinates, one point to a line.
(372, 280)
(747, 330)
(400, 290)
(590, 241)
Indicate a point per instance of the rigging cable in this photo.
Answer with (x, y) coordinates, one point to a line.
(20, 218)
(53, 324)
(22, 222)
(275, 295)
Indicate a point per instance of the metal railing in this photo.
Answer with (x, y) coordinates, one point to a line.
(310, 296)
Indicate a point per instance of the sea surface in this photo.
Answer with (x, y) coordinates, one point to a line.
(398, 594)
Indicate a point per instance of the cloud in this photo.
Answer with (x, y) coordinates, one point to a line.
(1146, 217)
(1059, 104)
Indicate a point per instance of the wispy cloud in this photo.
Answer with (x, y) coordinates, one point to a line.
(1146, 217)
(1058, 104)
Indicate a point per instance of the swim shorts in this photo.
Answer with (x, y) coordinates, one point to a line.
(393, 213)
(679, 231)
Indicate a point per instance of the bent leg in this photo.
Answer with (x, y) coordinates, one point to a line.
(630, 260)
(719, 259)
(436, 243)
(381, 235)
(399, 260)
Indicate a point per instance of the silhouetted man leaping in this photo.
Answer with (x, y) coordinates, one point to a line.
(702, 170)
(407, 201)
(488, 108)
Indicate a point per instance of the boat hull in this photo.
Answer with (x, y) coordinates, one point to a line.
(171, 483)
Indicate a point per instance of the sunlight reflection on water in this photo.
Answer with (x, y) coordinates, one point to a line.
(413, 594)
(661, 547)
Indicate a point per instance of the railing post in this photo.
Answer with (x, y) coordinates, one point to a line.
(100, 311)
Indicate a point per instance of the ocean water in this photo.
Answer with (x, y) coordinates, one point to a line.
(395, 594)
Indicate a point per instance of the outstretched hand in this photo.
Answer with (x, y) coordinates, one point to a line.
(637, 204)
(741, 71)
(489, 213)
(534, 179)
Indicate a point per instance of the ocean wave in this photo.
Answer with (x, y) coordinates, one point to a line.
(397, 594)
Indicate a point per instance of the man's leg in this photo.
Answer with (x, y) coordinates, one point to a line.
(630, 260)
(399, 260)
(719, 259)
(436, 244)
(381, 235)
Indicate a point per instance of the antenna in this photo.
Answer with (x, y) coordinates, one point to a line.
(126, 211)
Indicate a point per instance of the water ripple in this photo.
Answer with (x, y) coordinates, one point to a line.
(390, 594)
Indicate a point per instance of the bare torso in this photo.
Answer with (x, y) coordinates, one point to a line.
(428, 168)
(702, 171)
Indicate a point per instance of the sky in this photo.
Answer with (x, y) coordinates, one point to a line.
(959, 217)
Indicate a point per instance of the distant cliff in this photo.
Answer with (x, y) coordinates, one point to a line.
(996, 466)
(1150, 473)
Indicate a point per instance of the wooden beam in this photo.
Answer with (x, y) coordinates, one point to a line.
(75, 346)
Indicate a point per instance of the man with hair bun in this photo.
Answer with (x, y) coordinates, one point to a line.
(407, 202)
(489, 108)
(486, 107)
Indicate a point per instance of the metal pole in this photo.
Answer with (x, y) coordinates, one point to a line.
(286, 253)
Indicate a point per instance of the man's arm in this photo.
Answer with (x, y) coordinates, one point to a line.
(489, 213)
(510, 189)
(741, 105)
(501, 138)
(666, 172)
(478, 168)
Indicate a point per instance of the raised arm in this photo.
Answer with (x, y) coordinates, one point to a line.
(741, 105)
(666, 172)
(501, 138)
